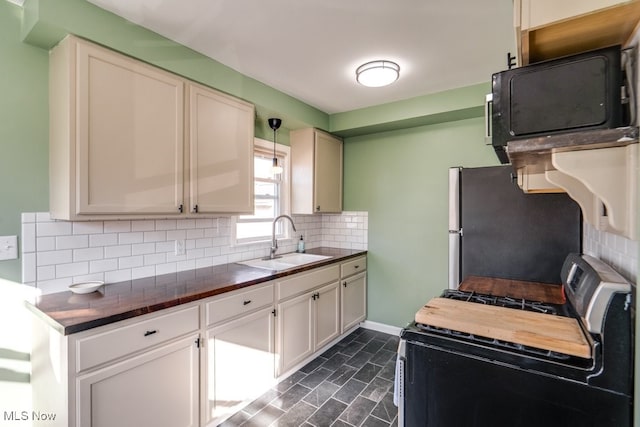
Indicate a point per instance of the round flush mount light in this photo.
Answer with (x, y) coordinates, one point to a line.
(377, 73)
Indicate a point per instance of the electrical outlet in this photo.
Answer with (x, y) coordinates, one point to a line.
(8, 247)
(180, 247)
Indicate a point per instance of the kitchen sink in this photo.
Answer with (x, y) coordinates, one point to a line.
(283, 262)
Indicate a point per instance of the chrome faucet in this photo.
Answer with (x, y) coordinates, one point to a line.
(274, 241)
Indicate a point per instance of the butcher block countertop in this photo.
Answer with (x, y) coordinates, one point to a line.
(539, 330)
(69, 313)
(533, 291)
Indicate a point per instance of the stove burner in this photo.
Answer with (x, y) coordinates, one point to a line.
(509, 302)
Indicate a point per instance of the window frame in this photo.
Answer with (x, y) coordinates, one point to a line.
(283, 152)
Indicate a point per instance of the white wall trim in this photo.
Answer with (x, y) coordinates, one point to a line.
(381, 327)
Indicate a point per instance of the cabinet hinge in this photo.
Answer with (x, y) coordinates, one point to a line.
(274, 312)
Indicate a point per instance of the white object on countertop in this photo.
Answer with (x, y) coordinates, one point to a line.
(85, 287)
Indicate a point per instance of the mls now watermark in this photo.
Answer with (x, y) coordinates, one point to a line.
(29, 416)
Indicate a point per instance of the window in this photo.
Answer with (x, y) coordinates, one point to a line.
(270, 195)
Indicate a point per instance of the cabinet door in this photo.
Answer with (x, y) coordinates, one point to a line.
(295, 331)
(354, 301)
(130, 135)
(158, 388)
(221, 152)
(240, 363)
(327, 314)
(327, 186)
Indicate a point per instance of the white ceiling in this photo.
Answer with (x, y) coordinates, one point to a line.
(310, 49)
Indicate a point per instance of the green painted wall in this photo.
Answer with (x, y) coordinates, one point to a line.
(24, 127)
(401, 179)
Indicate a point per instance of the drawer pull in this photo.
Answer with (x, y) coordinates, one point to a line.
(246, 302)
(356, 266)
(344, 284)
(146, 334)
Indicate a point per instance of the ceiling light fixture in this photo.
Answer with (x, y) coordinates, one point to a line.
(275, 125)
(377, 73)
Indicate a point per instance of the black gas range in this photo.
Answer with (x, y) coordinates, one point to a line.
(451, 377)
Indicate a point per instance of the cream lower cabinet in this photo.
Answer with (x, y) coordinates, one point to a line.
(353, 289)
(158, 388)
(240, 351)
(143, 371)
(307, 321)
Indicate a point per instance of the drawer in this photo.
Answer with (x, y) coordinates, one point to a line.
(237, 303)
(100, 348)
(352, 267)
(303, 282)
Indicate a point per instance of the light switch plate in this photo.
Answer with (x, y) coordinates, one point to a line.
(8, 247)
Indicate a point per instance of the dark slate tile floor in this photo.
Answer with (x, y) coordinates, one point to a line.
(349, 385)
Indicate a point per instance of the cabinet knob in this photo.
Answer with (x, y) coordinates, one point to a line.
(246, 302)
(146, 334)
(356, 266)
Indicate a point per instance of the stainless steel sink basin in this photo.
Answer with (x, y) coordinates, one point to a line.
(284, 262)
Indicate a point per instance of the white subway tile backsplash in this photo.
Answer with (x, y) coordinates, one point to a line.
(46, 272)
(117, 251)
(29, 267)
(28, 237)
(54, 257)
(143, 225)
(99, 240)
(152, 259)
(117, 276)
(117, 226)
(88, 254)
(62, 252)
(166, 268)
(184, 224)
(72, 269)
(53, 229)
(91, 227)
(129, 238)
(196, 233)
(155, 236)
(100, 266)
(72, 242)
(28, 217)
(140, 272)
(166, 224)
(45, 244)
(617, 251)
(130, 262)
(143, 248)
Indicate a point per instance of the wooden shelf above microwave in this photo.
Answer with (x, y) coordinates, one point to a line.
(605, 27)
(535, 153)
(596, 168)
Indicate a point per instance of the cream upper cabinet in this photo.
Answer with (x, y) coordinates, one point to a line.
(116, 134)
(316, 170)
(221, 152)
(128, 139)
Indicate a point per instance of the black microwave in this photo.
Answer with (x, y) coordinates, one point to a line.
(568, 94)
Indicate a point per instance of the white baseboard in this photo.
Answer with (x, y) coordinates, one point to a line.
(381, 327)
